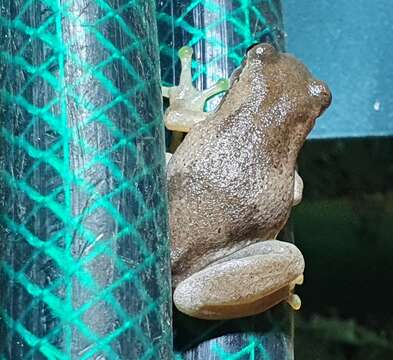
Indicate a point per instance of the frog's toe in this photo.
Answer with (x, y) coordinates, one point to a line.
(294, 301)
(264, 275)
(299, 280)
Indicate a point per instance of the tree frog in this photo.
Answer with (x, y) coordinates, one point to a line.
(232, 183)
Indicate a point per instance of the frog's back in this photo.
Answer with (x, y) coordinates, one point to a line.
(221, 193)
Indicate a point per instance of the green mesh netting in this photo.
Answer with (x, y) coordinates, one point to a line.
(220, 31)
(83, 239)
(254, 350)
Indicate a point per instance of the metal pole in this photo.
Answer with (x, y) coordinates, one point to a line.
(84, 247)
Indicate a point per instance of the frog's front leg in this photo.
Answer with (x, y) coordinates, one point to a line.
(245, 283)
(186, 103)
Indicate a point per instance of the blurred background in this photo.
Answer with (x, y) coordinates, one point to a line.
(344, 226)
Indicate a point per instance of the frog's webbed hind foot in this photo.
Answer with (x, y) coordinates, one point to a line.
(186, 103)
(248, 282)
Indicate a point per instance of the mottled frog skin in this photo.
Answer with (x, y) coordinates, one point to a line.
(231, 187)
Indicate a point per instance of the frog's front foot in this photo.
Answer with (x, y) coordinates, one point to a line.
(245, 283)
(186, 103)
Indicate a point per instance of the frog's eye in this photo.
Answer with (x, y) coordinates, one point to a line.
(261, 51)
(235, 75)
(251, 46)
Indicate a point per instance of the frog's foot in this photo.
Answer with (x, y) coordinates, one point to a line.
(294, 300)
(245, 283)
(186, 103)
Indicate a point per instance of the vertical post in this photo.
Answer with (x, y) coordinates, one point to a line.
(84, 248)
(220, 31)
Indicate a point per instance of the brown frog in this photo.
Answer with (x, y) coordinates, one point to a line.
(232, 184)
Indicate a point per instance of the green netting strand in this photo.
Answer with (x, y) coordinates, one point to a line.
(84, 250)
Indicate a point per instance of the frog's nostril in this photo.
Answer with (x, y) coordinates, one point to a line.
(325, 96)
(320, 90)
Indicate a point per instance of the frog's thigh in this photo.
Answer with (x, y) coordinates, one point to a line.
(298, 191)
(248, 282)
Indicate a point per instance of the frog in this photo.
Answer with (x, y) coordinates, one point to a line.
(233, 181)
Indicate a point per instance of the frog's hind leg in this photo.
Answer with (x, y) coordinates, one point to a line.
(245, 283)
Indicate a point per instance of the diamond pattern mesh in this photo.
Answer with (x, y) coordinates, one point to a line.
(83, 234)
(84, 251)
(220, 31)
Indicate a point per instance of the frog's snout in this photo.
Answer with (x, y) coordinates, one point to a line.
(320, 90)
(325, 96)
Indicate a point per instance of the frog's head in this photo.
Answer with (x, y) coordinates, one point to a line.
(288, 97)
